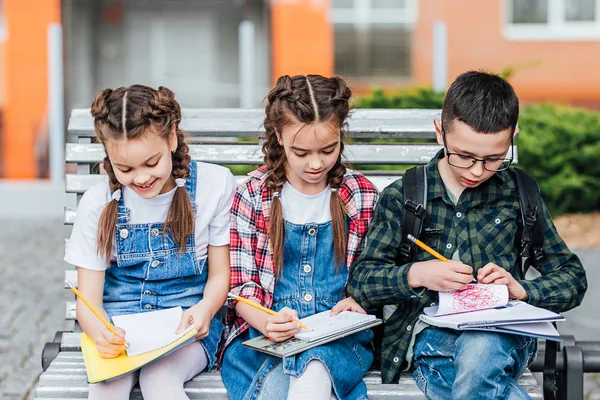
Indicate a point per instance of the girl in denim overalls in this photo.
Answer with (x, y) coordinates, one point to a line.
(144, 239)
(297, 225)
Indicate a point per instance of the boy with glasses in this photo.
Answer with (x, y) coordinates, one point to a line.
(472, 211)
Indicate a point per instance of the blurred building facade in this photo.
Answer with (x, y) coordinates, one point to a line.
(227, 53)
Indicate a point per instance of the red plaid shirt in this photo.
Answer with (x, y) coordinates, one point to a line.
(252, 274)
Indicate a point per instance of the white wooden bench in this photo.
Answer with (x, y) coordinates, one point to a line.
(213, 134)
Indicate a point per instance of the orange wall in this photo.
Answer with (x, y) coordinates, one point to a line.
(301, 38)
(26, 83)
(2, 75)
(565, 71)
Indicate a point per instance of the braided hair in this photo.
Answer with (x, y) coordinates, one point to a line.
(307, 99)
(128, 113)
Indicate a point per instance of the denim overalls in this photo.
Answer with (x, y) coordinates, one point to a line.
(310, 283)
(151, 273)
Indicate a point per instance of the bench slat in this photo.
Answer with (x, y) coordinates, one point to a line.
(67, 372)
(251, 154)
(80, 183)
(222, 122)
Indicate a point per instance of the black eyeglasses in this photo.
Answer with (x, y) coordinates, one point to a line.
(489, 164)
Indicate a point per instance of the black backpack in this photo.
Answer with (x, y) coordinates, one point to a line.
(528, 239)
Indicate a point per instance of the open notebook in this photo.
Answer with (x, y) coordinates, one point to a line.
(322, 329)
(486, 307)
(150, 336)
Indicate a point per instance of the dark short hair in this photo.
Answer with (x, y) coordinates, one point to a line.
(486, 102)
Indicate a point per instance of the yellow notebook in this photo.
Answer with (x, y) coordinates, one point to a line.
(150, 336)
(100, 369)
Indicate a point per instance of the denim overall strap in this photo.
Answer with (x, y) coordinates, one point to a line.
(192, 181)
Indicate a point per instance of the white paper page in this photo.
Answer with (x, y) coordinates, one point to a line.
(150, 330)
(474, 297)
(322, 325)
(514, 312)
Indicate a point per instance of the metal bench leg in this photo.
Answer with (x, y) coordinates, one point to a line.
(573, 375)
(549, 370)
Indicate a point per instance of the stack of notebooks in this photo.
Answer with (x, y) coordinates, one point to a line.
(487, 308)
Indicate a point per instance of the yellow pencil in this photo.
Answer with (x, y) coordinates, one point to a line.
(427, 248)
(430, 250)
(91, 307)
(258, 306)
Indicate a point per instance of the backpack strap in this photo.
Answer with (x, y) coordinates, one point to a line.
(530, 201)
(414, 184)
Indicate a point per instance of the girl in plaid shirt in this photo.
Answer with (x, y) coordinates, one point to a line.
(297, 225)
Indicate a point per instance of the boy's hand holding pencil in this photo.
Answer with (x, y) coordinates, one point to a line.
(442, 277)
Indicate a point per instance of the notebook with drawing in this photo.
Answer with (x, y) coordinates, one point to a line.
(323, 329)
(472, 298)
(486, 307)
(150, 336)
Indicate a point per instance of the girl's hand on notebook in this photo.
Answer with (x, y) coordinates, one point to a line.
(492, 273)
(283, 325)
(110, 345)
(199, 316)
(347, 304)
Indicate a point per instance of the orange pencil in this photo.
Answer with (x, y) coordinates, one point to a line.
(430, 250)
(258, 306)
(92, 309)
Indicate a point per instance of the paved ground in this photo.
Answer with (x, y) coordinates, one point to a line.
(32, 302)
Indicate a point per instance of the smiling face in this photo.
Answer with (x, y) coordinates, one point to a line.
(462, 139)
(143, 164)
(311, 151)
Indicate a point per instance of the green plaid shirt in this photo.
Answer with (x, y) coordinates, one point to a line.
(482, 227)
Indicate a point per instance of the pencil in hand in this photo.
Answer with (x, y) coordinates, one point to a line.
(427, 248)
(108, 325)
(258, 306)
(430, 250)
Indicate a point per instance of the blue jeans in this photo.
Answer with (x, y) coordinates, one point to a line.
(451, 364)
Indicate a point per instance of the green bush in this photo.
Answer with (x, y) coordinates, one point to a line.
(558, 145)
(415, 98)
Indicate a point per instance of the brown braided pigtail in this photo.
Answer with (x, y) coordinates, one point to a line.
(275, 160)
(180, 221)
(103, 119)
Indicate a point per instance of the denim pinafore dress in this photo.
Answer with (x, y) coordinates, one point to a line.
(150, 273)
(310, 283)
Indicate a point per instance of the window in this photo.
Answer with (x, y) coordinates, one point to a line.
(548, 20)
(372, 37)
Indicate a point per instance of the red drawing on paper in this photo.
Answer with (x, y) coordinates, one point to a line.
(474, 297)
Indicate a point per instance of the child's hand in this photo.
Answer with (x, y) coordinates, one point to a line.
(110, 345)
(491, 273)
(347, 304)
(198, 316)
(282, 325)
(441, 276)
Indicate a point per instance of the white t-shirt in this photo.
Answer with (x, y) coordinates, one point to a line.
(215, 188)
(300, 208)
